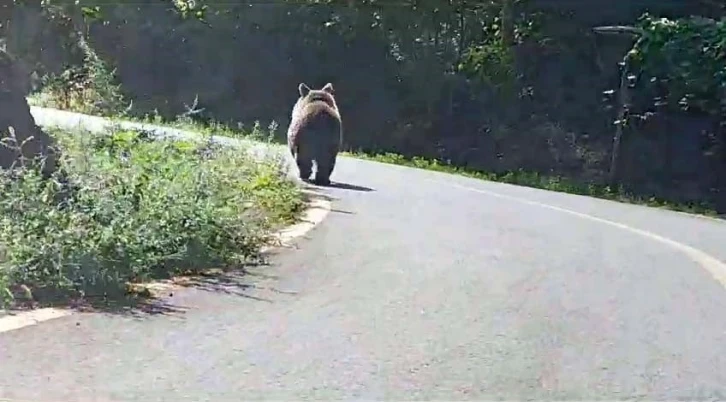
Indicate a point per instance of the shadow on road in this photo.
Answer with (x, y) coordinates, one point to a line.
(111, 301)
(311, 184)
(346, 186)
(236, 282)
(147, 301)
(135, 306)
(229, 283)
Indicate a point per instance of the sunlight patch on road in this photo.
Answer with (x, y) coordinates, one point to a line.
(24, 319)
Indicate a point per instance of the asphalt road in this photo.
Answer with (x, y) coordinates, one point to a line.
(428, 286)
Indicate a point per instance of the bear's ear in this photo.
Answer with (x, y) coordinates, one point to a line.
(328, 88)
(303, 89)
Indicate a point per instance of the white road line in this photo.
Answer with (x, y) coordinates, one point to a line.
(714, 266)
(317, 210)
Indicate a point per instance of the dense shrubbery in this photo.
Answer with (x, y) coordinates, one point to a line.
(681, 64)
(90, 87)
(126, 208)
(676, 86)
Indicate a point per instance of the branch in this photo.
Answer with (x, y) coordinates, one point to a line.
(618, 30)
(192, 110)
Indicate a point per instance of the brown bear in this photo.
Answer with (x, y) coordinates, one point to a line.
(315, 132)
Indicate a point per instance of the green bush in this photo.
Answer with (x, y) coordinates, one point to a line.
(89, 88)
(127, 209)
(681, 63)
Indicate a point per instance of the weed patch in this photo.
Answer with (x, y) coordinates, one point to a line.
(90, 88)
(124, 208)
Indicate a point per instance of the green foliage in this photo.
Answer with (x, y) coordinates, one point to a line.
(89, 88)
(190, 8)
(127, 209)
(490, 62)
(682, 62)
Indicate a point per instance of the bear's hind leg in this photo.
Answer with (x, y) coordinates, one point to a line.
(325, 166)
(304, 164)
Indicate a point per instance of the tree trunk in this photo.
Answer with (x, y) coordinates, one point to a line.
(16, 120)
(623, 105)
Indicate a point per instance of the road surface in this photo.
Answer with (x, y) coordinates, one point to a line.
(420, 285)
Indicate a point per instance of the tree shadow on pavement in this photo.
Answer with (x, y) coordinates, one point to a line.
(156, 298)
(234, 283)
(137, 306)
(114, 301)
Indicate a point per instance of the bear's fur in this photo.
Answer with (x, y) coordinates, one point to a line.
(315, 132)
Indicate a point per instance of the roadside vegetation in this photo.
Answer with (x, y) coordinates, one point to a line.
(125, 209)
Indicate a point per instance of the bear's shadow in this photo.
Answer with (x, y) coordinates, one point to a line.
(342, 186)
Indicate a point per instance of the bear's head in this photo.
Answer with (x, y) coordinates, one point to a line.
(325, 95)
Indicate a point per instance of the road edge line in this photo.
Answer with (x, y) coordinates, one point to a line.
(709, 263)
